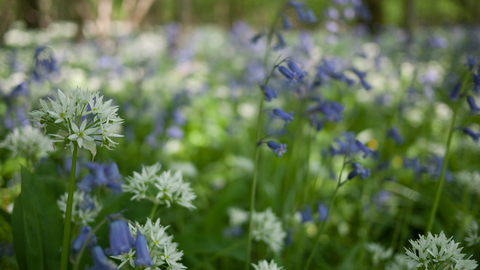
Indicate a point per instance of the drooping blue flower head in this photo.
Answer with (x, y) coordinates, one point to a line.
(256, 38)
(322, 211)
(412, 163)
(471, 62)
(471, 133)
(287, 74)
(45, 64)
(81, 238)
(287, 117)
(142, 255)
(476, 81)
(121, 241)
(280, 43)
(367, 151)
(277, 148)
(297, 72)
(286, 23)
(453, 96)
(473, 105)
(100, 261)
(310, 16)
(365, 84)
(20, 90)
(269, 93)
(87, 203)
(87, 183)
(306, 214)
(395, 135)
(358, 170)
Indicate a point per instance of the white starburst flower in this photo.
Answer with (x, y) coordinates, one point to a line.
(80, 119)
(268, 228)
(85, 208)
(472, 237)
(264, 265)
(27, 142)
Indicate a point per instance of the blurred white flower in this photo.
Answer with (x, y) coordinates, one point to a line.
(85, 207)
(160, 189)
(264, 265)
(378, 252)
(268, 228)
(28, 142)
(237, 216)
(400, 262)
(82, 118)
(473, 237)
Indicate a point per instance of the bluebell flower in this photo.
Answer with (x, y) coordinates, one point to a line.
(361, 76)
(100, 261)
(256, 38)
(277, 148)
(395, 135)
(344, 145)
(315, 121)
(174, 132)
(87, 183)
(437, 42)
(434, 166)
(81, 238)
(412, 163)
(67, 165)
(367, 151)
(280, 43)
(471, 133)
(365, 84)
(114, 178)
(142, 255)
(87, 203)
(310, 16)
(306, 214)
(178, 117)
(297, 72)
(20, 90)
(45, 64)
(121, 241)
(287, 117)
(473, 106)
(299, 8)
(287, 73)
(332, 13)
(269, 93)
(471, 62)
(358, 170)
(322, 211)
(287, 24)
(453, 96)
(296, 4)
(476, 81)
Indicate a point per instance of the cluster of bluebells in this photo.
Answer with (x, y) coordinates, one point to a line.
(152, 248)
(437, 252)
(27, 142)
(46, 65)
(333, 69)
(85, 207)
(163, 188)
(432, 166)
(102, 175)
(342, 12)
(83, 118)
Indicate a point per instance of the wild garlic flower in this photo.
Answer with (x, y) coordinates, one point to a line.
(378, 252)
(471, 180)
(400, 262)
(473, 237)
(163, 188)
(82, 118)
(161, 249)
(85, 207)
(268, 228)
(264, 265)
(237, 216)
(437, 252)
(27, 142)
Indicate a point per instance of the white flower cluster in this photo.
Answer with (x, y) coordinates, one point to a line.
(85, 207)
(268, 228)
(160, 189)
(438, 252)
(237, 216)
(82, 118)
(27, 142)
(160, 246)
(378, 252)
(400, 262)
(473, 237)
(264, 265)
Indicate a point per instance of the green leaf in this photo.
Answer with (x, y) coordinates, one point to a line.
(37, 226)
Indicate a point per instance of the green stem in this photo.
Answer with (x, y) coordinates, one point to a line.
(331, 205)
(80, 253)
(68, 213)
(154, 209)
(444, 168)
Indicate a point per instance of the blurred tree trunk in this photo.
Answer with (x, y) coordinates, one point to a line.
(376, 11)
(29, 12)
(409, 18)
(8, 16)
(184, 12)
(141, 9)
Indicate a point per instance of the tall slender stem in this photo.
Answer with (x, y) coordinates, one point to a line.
(332, 201)
(87, 240)
(445, 158)
(154, 209)
(68, 213)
